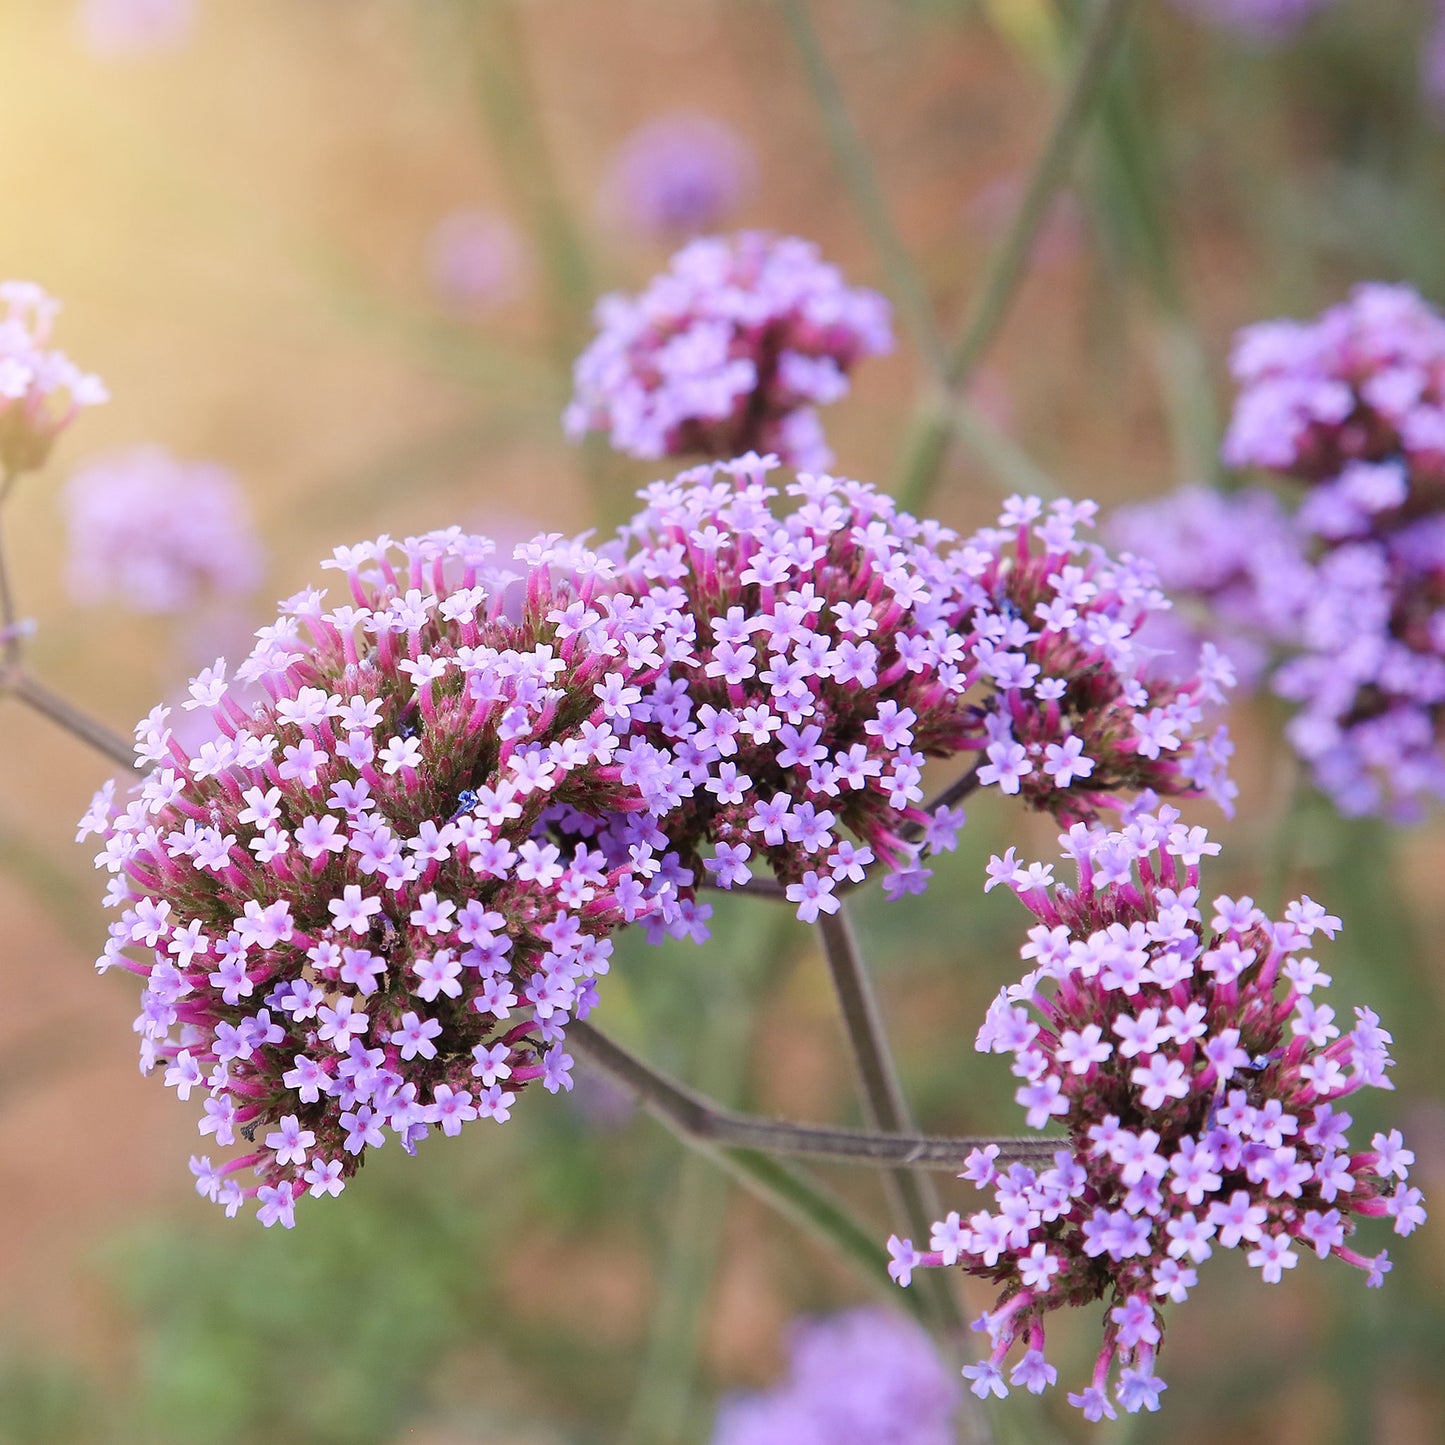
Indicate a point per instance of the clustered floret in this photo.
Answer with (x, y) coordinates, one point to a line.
(680, 175)
(1351, 587)
(460, 780)
(824, 670)
(41, 389)
(864, 1377)
(158, 534)
(1199, 1077)
(373, 901)
(1054, 629)
(727, 351)
(841, 644)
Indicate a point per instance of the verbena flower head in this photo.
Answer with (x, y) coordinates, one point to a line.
(136, 27)
(680, 175)
(836, 643)
(372, 902)
(158, 534)
(1232, 564)
(1258, 20)
(864, 1377)
(729, 350)
(1200, 1079)
(1055, 628)
(1363, 382)
(41, 389)
(475, 260)
(1349, 590)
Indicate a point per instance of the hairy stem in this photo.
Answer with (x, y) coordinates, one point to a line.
(699, 1120)
(1098, 48)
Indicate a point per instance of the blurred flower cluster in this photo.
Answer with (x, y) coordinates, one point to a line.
(156, 534)
(1342, 596)
(864, 1377)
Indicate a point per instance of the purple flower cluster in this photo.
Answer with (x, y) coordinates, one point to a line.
(1199, 1077)
(1363, 382)
(865, 1377)
(1053, 629)
(728, 350)
(823, 671)
(1351, 587)
(158, 534)
(373, 901)
(426, 808)
(41, 390)
(1257, 20)
(679, 175)
(837, 646)
(1232, 565)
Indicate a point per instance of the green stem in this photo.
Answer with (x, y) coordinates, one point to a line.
(914, 1200)
(818, 1214)
(1133, 211)
(1098, 48)
(858, 174)
(783, 1188)
(666, 1382)
(509, 107)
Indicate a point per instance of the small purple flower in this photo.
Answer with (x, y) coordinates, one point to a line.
(728, 351)
(859, 1378)
(679, 175)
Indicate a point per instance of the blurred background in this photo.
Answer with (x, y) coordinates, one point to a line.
(347, 250)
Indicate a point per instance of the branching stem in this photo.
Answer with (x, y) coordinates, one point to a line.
(697, 1119)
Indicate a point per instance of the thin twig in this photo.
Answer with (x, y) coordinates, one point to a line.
(70, 718)
(1005, 270)
(9, 630)
(699, 1120)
